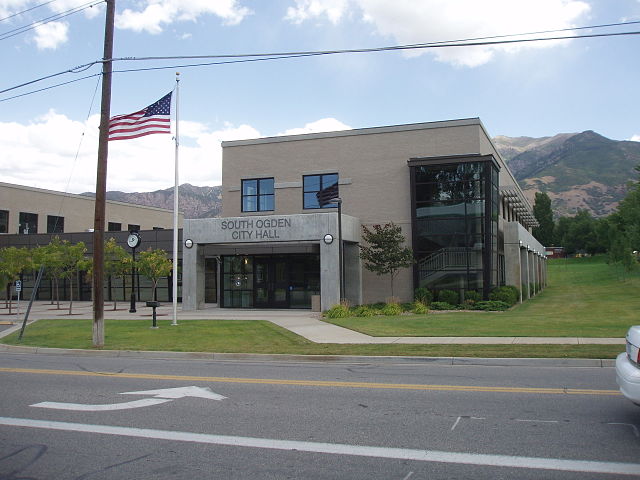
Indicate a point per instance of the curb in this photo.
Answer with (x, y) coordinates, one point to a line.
(350, 359)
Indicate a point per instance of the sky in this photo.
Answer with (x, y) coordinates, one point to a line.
(49, 138)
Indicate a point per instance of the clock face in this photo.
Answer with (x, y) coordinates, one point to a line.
(133, 240)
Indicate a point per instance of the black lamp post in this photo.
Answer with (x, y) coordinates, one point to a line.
(133, 240)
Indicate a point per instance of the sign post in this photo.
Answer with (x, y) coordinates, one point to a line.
(18, 288)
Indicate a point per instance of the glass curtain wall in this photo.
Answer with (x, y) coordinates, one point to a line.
(455, 226)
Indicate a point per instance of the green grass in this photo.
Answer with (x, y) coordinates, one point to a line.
(236, 336)
(585, 298)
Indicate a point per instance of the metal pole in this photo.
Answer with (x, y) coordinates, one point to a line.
(34, 292)
(175, 212)
(340, 249)
(132, 307)
(101, 180)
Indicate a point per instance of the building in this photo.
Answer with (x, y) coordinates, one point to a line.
(32, 217)
(28, 210)
(444, 183)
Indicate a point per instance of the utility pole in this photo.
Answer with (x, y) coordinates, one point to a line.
(101, 180)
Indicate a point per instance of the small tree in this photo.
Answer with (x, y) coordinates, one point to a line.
(384, 253)
(72, 261)
(51, 257)
(117, 262)
(13, 261)
(154, 265)
(544, 215)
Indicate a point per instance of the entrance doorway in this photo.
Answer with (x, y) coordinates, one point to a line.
(270, 281)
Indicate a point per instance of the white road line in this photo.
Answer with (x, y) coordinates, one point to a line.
(537, 421)
(633, 427)
(146, 402)
(338, 449)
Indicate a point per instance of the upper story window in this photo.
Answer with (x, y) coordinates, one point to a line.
(258, 195)
(114, 227)
(4, 221)
(55, 224)
(28, 223)
(312, 184)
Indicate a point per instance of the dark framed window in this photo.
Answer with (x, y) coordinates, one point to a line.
(55, 224)
(28, 223)
(312, 184)
(114, 227)
(4, 221)
(258, 195)
(133, 228)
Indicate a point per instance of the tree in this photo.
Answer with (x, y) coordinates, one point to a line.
(72, 260)
(117, 262)
(385, 254)
(51, 257)
(13, 261)
(544, 215)
(154, 265)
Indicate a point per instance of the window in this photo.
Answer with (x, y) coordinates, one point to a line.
(114, 227)
(258, 195)
(312, 184)
(28, 223)
(4, 221)
(133, 228)
(55, 224)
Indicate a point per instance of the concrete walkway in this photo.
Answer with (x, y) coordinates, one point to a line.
(301, 322)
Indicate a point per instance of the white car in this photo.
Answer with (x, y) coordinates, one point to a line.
(628, 367)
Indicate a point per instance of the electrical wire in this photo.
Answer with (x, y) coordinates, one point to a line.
(245, 58)
(52, 18)
(27, 10)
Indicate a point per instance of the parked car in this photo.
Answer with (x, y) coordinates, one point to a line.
(628, 367)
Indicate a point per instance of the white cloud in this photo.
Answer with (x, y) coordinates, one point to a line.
(42, 154)
(322, 125)
(306, 9)
(408, 21)
(158, 13)
(635, 138)
(51, 35)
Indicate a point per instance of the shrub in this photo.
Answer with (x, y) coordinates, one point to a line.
(492, 305)
(471, 296)
(420, 308)
(441, 306)
(507, 294)
(338, 311)
(363, 311)
(407, 307)
(449, 296)
(423, 295)
(391, 309)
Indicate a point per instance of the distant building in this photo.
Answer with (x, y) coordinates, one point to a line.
(276, 246)
(555, 252)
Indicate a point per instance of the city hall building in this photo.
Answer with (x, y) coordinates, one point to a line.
(277, 245)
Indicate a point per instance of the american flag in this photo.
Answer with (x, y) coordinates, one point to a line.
(153, 119)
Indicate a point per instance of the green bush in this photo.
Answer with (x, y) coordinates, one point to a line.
(423, 295)
(338, 311)
(441, 306)
(471, 296)
(392, 309)
(491, 305)
(420, 308)
(507, 294)
(449, 296)
(363, 311)
(407, 307)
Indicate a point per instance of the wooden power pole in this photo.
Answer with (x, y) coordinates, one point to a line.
(101, 181)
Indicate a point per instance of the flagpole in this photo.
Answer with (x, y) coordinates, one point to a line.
(175, 209)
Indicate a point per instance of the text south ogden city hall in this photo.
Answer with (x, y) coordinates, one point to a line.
(259, 229)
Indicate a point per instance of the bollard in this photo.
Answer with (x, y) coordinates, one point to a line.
(154, 305)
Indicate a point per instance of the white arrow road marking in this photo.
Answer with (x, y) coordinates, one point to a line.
(511, 461)
(161, 396)
(147, 402)
(180, 392)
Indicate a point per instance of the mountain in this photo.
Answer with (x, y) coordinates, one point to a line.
(195, 202)
(577, 170)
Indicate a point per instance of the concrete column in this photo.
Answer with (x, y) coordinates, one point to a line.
(329, 275)
(192, 278)
(352, 273)
(513, 266)
(524, 279)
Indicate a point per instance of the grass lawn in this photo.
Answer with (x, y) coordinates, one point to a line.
(237, 336)
(585, 298)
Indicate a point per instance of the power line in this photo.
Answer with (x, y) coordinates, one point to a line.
(27, 10)
(245, 58)
(52, 18)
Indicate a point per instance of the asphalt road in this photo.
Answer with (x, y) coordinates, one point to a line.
(68, 417)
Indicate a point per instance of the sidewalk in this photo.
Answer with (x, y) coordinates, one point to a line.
(301, 322)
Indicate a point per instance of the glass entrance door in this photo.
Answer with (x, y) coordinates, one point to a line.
(271, 282)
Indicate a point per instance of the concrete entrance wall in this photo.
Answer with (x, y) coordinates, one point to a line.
(283, 232)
